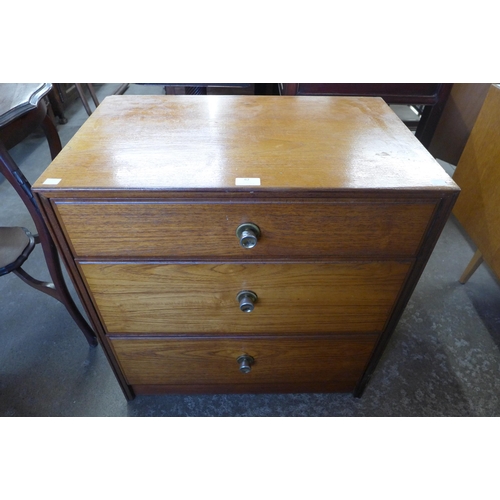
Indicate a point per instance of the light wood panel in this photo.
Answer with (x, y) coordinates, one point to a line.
(294, 298)
(208, 230)
(478, 174)
(201, 362)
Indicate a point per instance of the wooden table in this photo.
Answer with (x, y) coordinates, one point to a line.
(245, 243)
(22, 111)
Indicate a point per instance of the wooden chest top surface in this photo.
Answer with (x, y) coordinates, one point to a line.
(207, 142)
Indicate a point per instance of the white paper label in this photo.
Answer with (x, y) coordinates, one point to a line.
(248, 181)
(52, 182)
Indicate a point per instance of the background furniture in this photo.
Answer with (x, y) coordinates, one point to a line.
(478, 175)
(60, 96)
(63, 94)
(22, 111)
(200, 88)
(456, 122)
(432, 96)
(277, 263)
(218, 88)
(81, 93)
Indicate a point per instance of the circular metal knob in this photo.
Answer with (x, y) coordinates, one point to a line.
(247, 299)
(248, 234)
(245, 361)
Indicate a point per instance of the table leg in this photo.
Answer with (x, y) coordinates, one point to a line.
(52, 136)
(474, 263)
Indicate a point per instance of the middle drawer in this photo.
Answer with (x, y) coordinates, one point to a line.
(139, 298)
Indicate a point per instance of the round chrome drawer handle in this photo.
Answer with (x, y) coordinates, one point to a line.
(245, 361)
(248, 234)
(247, 299)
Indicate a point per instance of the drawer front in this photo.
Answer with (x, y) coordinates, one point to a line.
(208, 230)
(202, 298)
(205, 362)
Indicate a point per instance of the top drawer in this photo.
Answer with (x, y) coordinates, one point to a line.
(208, 230)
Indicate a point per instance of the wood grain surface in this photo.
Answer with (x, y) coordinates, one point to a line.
(145, 200)
(201, 298)
(207, 142)
(201, 362)
(208, 230)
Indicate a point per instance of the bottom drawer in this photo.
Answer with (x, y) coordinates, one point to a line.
(211, 364)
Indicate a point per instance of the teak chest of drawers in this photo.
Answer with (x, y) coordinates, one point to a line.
(241, 243)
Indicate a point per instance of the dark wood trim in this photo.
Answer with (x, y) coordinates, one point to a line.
(355, 336)
(295, 387)
(431, 116)
(289, 88)
(342, 259)
(335, 199)
(392, 93)
(431, 239)
(266, 89)
(221, 195)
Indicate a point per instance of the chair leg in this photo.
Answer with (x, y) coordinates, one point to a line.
(474, 263)
(41, 286)
(52, 136)
(121, 89)
(59, 291)
(93, 94)
(23, 188)
(63, 295)
(81, 93)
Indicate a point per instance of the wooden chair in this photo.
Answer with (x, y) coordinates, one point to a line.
(16, 245)
(81, 92)
(22, 110)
